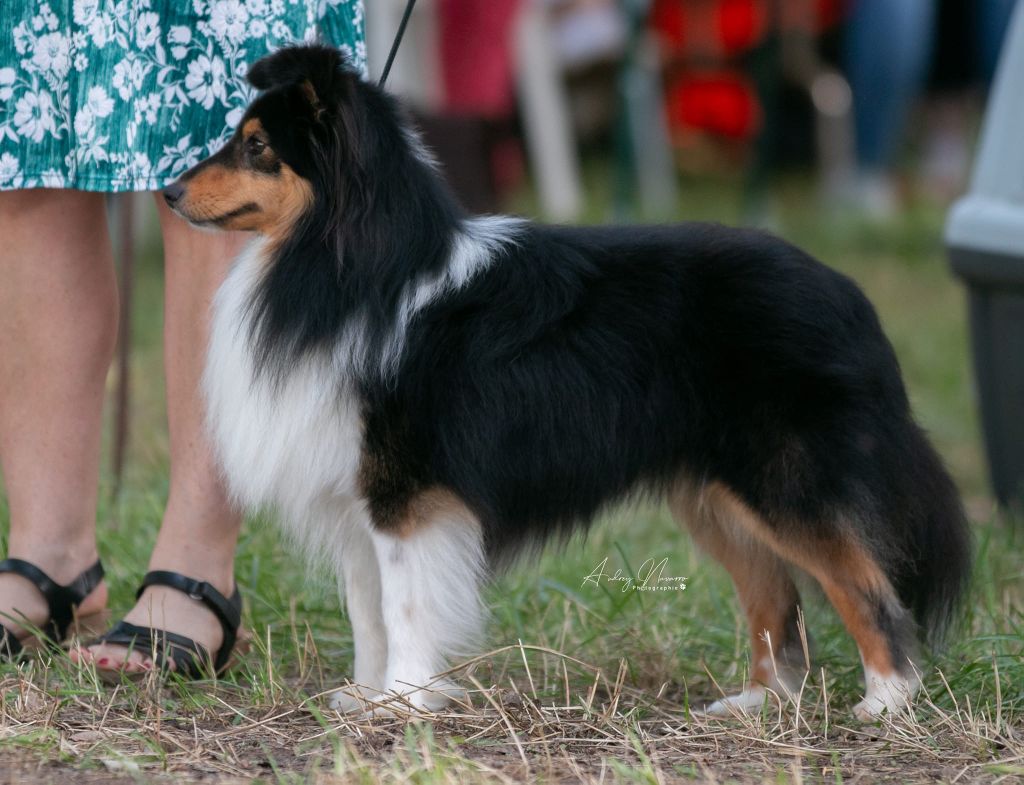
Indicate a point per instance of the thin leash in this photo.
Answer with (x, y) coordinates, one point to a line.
(397, 43)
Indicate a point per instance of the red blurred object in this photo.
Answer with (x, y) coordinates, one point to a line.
(724, 27)
(668, 18)
(476, 57)
(741, 24)
(832, 12)
(721, 102)
(706, 88)
(731, 27)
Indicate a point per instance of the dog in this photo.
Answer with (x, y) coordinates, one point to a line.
(421, 394)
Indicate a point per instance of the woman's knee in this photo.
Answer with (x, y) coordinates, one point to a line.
(46, 204)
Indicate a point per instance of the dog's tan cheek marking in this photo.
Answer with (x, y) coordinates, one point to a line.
(291, 196)
(246, 190)
(206, 185)
(208, 193)
(281, 198)
(231, 190)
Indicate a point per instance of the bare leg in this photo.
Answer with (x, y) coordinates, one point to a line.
(58, 326)
(200, 528)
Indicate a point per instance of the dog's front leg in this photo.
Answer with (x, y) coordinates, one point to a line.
(359, 582)
(431, 573)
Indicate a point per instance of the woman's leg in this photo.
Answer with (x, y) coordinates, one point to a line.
(58, 327)
(200, 528)
(994, 18)
(887, 50)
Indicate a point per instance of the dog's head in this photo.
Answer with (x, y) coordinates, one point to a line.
(302, 135)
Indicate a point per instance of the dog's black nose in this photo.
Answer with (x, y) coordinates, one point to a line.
(173, 192)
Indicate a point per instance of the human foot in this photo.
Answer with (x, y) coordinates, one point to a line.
(24, 608)
(167, 610)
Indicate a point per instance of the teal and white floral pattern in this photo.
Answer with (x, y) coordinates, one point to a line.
(125, 95)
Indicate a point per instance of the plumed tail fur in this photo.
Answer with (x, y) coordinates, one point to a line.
(932, 578)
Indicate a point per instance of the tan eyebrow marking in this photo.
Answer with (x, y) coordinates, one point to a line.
(252, 126)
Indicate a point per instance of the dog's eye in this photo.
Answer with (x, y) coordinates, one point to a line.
(254, 145)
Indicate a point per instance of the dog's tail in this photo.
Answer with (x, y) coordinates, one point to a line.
(932, 572)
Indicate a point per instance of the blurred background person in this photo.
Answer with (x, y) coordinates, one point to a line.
(746, 88)
(894, 50)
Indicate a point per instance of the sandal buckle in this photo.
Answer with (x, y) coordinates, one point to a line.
(197, 590)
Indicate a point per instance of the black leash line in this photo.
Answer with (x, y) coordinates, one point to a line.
(398, 41)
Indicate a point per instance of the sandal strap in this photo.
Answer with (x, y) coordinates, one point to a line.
(227, 611)
(61, 600)
(191, 660)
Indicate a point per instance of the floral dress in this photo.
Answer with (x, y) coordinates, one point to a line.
(125, 95)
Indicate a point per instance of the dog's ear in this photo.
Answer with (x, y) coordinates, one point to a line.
(317, 68)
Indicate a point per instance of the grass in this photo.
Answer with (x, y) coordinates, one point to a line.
(586, 683)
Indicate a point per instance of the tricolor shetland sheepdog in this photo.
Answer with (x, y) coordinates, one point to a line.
(421, 393)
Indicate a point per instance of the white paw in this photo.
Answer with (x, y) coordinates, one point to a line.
(885, 694)
(435, 696)
(401, 701)
(781, 687)
(751, 699)
(382, 706)
(349, 699)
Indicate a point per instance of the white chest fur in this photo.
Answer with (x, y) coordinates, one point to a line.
(292, 444)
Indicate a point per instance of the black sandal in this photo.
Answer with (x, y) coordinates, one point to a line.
(63, 602)
(191, 660)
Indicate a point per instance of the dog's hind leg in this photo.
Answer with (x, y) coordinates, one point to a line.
(765, 590)
(360, 584)
(857, 585)
(431, 560)
(883, 629)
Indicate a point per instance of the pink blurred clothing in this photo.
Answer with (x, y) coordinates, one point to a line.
(476, 56)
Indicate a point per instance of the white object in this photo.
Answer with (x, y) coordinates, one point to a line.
(592, 33)
(653, 164)
(991, 217)
(416, 74)
(545, 108)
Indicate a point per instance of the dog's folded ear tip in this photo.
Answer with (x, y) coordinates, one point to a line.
(256, 79)
(291, 65)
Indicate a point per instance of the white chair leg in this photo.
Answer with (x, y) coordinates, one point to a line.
(545, 108)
